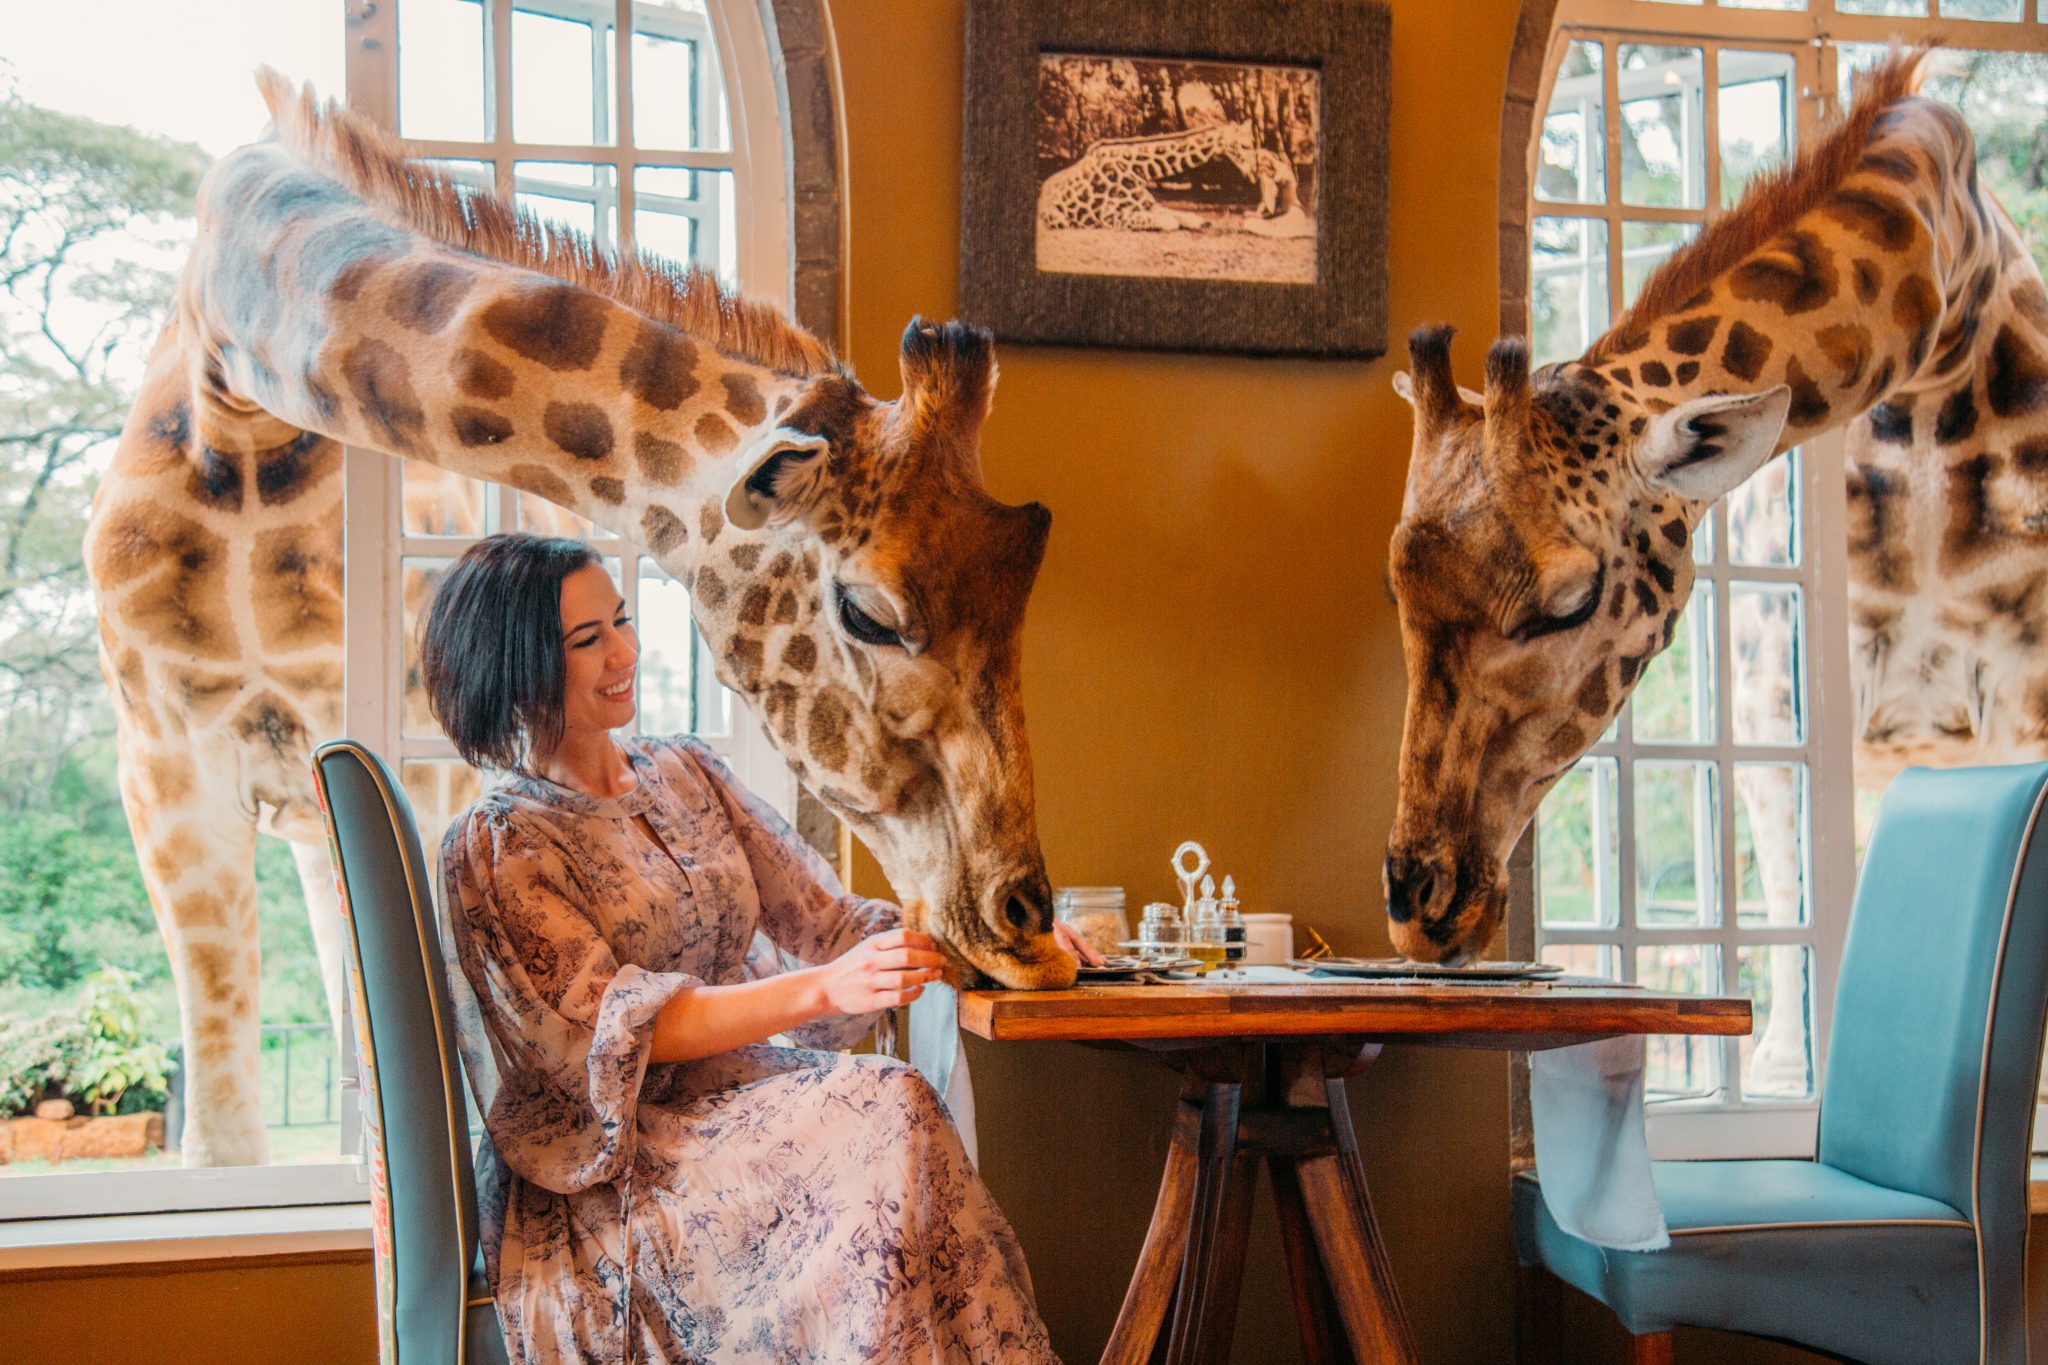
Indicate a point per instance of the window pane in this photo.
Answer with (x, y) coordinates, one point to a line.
(438, 503)
(1681, 1066)
(2001, 95)
(557, 94)
(678, 95)
(1756, 116)
(2003, 10)
(1678, 852)
(1599, 960)
(1578, 851)
(1663, 155)
(441, 70)
(1889, 8)
(1674, 702)
(1777, 1056)
(1770, 873)
(1572, 162)
(1764, 515)
(668, 652)
(1763, 4)
(1567, 285)
(1852, 59)
(416, 581)
(1645, 246)
(687, 216)
(1767, 643)
(572, 194)
(1705, 535)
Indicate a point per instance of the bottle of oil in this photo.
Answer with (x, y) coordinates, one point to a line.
(1205, 930)
(1233, 925)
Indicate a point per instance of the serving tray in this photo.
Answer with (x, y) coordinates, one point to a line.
(1402, 967)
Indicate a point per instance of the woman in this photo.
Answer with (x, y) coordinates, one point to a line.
(644, 1142)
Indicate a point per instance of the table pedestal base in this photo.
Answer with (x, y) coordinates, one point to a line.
(1278, 1103)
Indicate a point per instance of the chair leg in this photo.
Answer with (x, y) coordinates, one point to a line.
(1539, 1316)
(1652, 1348)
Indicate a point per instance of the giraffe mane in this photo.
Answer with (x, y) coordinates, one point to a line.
(371, 164)
(1772, 202)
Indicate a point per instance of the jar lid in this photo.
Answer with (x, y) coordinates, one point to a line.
(1090, 893)
(1267, 917)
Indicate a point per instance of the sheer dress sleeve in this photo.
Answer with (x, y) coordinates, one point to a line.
(558, 1040)
(805, 913)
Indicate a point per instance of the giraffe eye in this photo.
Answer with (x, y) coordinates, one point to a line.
(1534, 627)
(862, 626)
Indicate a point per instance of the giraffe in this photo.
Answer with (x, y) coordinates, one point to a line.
(1542, 554)
(1109, 186)
(855, 583)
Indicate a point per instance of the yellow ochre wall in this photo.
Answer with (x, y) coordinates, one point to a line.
(1210, 654)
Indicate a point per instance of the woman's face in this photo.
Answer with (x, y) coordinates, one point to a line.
(600, 650)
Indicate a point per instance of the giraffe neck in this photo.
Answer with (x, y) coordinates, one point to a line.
(1159, 156)
(1875, 291)
(322, 323)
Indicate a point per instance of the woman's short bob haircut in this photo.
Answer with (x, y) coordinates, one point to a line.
(491, 647)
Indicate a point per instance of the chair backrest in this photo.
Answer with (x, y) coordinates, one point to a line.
(1936, 1040)
(423, 1190)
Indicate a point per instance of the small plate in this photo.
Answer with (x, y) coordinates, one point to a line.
(1115, 965)
(1402, 967)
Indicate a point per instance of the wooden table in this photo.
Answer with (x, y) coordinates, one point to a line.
(1265, 1067)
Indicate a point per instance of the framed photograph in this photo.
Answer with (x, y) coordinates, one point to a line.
(1189, 175)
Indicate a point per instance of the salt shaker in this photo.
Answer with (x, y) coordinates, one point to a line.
(1160, 931)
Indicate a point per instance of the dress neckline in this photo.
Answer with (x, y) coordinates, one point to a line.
(625, 806)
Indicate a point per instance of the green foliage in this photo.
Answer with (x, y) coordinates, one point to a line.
(70, 899)
(99, 1056)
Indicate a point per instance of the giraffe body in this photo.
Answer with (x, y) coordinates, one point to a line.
(337, 294)
(1543, 555)
(1110, 186)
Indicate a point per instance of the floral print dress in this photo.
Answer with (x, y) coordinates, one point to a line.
(786, 1204)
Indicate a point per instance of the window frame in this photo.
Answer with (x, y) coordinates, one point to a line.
(760, 162)
(1813, 36)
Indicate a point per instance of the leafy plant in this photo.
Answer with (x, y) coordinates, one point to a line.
(97, 1056)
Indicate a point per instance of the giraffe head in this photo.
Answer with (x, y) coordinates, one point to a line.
(1541, 560)
(859, 586)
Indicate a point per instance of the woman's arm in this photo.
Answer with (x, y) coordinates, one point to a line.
(878, 973)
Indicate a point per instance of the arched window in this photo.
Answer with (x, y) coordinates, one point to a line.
(1708, 841)
(647, 124)
(699, 128)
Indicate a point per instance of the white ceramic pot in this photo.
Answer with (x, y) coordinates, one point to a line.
(1268, 940)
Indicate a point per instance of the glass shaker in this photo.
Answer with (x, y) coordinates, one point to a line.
(1160, 932)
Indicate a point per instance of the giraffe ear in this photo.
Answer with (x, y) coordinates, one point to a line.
(1705, 448)
(784, 475)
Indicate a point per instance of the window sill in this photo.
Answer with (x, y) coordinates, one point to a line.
(132, 1239)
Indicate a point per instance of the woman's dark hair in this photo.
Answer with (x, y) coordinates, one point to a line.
(491, 647)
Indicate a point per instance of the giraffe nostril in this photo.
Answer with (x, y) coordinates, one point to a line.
(1017, 912)
(1411, 888)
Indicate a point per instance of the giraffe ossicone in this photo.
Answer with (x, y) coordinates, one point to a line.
(1544, 551)
(852, 578)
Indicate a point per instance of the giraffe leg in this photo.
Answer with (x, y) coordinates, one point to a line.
(323, 914)
(199, 867)
(1781, 1063)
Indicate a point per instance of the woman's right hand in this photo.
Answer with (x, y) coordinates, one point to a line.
(882, 972)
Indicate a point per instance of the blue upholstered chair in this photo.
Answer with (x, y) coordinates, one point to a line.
(1904, 1240)
(433, 1308)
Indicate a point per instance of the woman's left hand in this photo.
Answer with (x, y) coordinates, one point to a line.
(1063, 934)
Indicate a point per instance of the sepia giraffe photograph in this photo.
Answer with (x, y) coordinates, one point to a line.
(1177, 170)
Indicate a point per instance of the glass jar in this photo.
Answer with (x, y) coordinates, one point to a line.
(1096, 913)
(1205, 936)
(1161, 933)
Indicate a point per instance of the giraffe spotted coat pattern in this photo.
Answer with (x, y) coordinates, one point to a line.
(339, 294)
(1543, 553)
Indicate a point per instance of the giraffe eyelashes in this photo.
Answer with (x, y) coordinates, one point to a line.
(1535, 627)
(862, 626)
